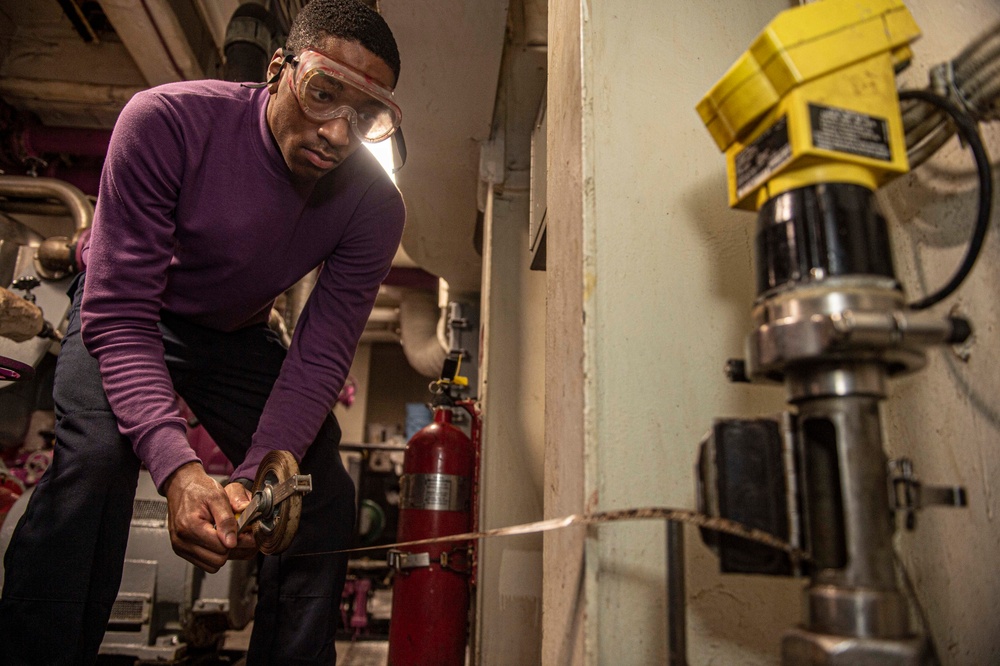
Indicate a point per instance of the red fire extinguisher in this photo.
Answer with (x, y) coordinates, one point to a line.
(431, 588)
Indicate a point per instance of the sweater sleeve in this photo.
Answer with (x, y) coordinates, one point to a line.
(131, 247)
(327, 333)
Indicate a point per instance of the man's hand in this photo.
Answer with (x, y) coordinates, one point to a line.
(200, 518)
(239, 497)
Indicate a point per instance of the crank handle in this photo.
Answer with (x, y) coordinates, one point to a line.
(266, 500)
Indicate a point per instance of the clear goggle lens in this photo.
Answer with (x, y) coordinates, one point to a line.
(327, 89)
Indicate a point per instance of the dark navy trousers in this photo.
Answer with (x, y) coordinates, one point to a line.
(64, 563)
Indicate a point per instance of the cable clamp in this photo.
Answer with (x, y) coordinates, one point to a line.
(943, 82)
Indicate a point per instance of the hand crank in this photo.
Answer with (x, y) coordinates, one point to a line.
(264, 503)
(276, 502)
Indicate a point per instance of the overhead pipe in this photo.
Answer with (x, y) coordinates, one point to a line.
(215, 14)
(56, 256)
(250, 41)
(373, 336)
(296, 297)
(77, 204)
(423, 330)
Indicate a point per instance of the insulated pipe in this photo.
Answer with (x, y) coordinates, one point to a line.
(76, 202)
(215, 14)
(296, 298)
(249, 43)
(421, 324)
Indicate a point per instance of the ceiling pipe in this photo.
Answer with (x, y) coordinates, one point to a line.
(384, 315)
(296, 297)
(379, 336)
(250, 41)
(215, 14)
(423, 330)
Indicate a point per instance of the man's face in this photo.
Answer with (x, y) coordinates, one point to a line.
(312, 149)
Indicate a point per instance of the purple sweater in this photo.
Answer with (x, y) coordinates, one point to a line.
(197, 216)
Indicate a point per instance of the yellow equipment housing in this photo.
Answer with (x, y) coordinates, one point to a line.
(814, 100)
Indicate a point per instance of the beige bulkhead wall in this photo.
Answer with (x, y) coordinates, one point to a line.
(512, 394)
(649, 287)
(946, 418)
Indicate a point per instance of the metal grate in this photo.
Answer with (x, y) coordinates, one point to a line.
(127, 611)
(149, 513)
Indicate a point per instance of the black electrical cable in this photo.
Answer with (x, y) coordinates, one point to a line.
(969, 132)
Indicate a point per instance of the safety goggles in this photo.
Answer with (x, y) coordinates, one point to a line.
(327, 89)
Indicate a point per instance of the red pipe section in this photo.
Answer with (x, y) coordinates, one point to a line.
(37, 141)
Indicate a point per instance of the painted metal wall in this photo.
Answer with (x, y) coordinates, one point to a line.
(645, 254)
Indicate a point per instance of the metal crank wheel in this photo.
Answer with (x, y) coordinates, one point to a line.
(277, 491)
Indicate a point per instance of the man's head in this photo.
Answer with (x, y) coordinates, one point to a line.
(348, 19)
(346, 32)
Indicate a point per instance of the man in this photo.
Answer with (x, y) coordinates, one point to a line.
(215, 198)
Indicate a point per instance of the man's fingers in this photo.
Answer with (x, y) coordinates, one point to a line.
(225, 523)
(201, 517)
(239, 497)
(197, 531)
(245, 540)
(202, 558)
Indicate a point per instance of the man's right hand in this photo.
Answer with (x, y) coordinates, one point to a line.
(239, 499)
(200, 519)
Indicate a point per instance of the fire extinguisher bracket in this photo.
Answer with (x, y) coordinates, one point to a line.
(457, 560)
(399, 560)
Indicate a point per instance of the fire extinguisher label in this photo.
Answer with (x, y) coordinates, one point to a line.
(434, 492)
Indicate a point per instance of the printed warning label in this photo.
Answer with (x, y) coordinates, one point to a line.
(762, 157)
(850, 132)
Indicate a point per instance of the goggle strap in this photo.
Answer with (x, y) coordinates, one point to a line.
(400, 143)
(289, 57)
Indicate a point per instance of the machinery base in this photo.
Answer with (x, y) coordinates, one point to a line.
(800, 647)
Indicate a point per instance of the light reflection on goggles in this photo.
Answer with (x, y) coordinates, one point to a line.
(327, 89)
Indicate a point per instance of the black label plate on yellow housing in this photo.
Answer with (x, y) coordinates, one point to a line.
(850, 132)
(764, 156)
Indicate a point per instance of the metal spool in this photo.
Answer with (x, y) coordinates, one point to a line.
(276, 528)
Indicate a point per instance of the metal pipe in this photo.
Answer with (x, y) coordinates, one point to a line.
(77, 204)
(676, 596)
(249, 43)
(34, 208)
(421, 324)
(297, 297)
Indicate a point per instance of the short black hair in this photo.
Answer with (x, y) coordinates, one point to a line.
(347, 19)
